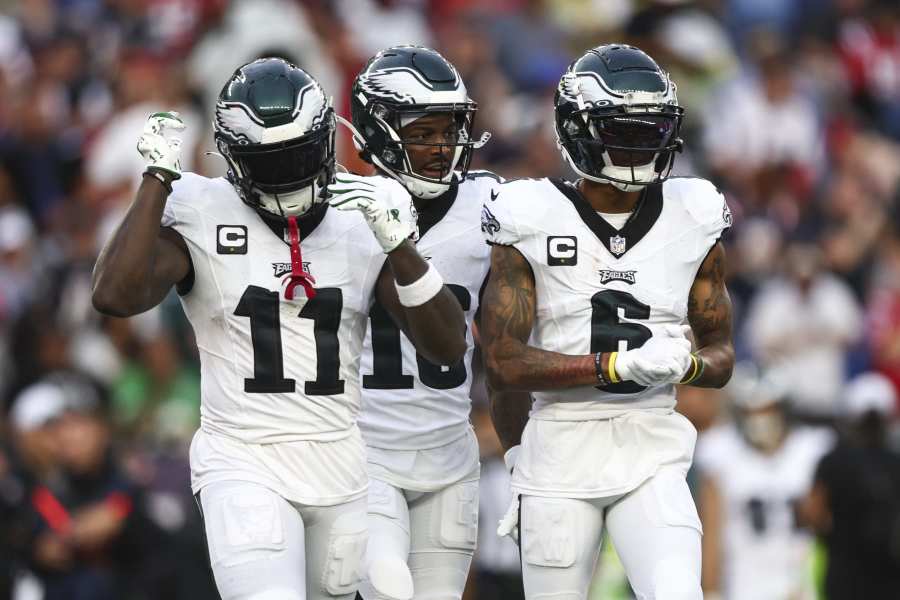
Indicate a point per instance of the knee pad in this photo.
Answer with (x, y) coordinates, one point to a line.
(549, 537)
(277, 594)
(674, 580)
(459, 516)
(346, 546)
(388, 579)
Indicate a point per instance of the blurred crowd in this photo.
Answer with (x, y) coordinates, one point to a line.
(793, 110)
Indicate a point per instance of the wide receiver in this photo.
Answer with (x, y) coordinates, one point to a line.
(278, 464)
(412, 119)
(591, 283)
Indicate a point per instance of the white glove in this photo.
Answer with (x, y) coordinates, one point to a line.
(511, 457)
(386, 205)
(508, 525)
(664, 358)
(158, 147)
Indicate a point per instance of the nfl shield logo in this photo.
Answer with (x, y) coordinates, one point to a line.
(617, 245)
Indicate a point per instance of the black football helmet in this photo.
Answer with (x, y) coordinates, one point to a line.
(617, 117)
(397, 86)
(275, 128)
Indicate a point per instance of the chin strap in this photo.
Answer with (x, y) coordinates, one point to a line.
(298, 276)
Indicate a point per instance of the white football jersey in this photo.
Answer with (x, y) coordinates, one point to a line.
(408, 402)
(273, 370)
(601, 289)
(760, 535)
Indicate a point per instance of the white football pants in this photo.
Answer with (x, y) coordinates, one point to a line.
(263, 547)
(420, 543)
(655, 530)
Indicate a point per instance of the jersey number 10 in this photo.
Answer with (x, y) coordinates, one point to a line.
(387, 358)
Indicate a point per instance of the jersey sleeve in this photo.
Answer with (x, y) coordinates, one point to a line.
(705, 208)
(709, 208)
(182, 188)
(500, 223)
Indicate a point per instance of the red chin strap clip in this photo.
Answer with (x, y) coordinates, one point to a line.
(298, 276)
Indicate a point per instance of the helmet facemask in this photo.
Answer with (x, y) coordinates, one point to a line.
(283, 178)
(628, 146)
(397, 125)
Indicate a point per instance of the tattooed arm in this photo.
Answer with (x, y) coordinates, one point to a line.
(709, 313)
(507, 317)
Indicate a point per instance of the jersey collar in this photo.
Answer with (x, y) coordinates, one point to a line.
(639, 223)
(432, 211)
(307, 223)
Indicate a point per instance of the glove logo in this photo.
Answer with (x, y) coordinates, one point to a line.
(231, 239)
(562, 250)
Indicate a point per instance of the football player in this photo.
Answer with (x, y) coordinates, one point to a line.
(277, 284)
(754, 473)
(591, 283)
(412, 119)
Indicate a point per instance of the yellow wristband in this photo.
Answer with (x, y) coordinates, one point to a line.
(696, 370)
(612, 367)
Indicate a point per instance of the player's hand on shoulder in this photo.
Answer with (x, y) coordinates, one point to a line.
(385, 204)
(664, 358)
(159, 144)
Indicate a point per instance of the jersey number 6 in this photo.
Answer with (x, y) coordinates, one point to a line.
(607, 332)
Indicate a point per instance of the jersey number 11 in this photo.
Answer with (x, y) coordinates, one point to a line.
(262, 307)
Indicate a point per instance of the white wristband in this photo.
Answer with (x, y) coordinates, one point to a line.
(421, 290)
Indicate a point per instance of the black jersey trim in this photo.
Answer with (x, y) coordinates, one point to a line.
(645, 215)
(432, 211)
(478, 174)
(307, 222)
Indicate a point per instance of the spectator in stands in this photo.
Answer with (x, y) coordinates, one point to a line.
(88, 533)
(804, 321)
(855, 501)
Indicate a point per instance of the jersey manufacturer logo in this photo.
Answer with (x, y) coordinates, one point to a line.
(489, 223)
(607, 275)
(562, 250)
(617, 245)
(231, 239)
(283, 268)
(494, 195)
